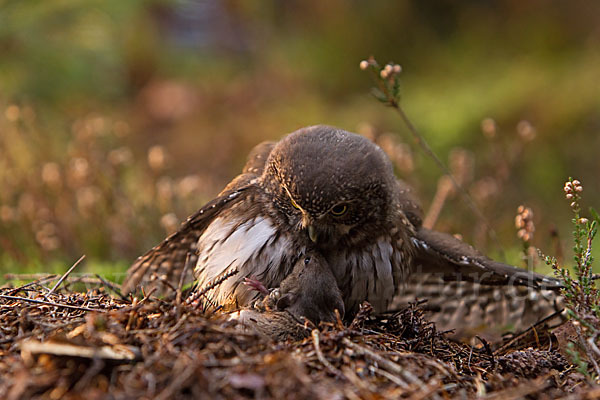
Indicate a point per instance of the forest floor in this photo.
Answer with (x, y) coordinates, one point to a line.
(69, 344)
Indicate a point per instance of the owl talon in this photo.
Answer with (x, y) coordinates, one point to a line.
(275, 294)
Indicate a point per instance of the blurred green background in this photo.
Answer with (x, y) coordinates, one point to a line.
(120, 118)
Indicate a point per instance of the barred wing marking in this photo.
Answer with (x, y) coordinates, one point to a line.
(168, 258)
(468, 292)
(471, 308)
(443, 255)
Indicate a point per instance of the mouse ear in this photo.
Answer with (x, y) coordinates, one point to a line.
(285, 301)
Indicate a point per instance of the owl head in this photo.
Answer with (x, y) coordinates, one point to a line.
(334, 185)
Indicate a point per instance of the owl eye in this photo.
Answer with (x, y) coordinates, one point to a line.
(339, 210)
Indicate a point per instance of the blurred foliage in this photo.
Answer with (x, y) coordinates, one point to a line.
(120, 118)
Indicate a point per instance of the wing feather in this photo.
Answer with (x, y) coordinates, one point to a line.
(452, 259)
(466, 290)
(166, 261)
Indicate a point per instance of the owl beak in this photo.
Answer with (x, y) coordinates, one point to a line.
(312, 233)
(307, 223)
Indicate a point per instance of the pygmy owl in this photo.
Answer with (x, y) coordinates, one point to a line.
(318, 189)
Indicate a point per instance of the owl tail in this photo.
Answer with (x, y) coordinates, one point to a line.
(467, 291)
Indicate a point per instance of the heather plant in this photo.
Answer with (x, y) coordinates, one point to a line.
(525, 231)
(387, 91)
(458, 179)
(582, 297)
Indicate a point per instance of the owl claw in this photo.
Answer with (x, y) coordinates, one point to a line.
(275, 294)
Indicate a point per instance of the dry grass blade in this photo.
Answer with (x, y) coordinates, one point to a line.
(515, 338)
(115, 353)
(202, 292)
(62, 278)
(321, 357)
(184, 273)
(38, 281)
(49, 303)
(113, 287)
(385, 363)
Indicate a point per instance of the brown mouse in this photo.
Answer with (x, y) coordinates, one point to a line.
(310, 292)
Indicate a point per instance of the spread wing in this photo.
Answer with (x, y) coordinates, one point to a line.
(162, 266)
(471, 293)
(453, 260)
(470, 308)
(465, 290)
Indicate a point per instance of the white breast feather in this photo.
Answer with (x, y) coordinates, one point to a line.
(221, 250)
(369, 273)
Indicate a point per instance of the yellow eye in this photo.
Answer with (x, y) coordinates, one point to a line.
(339, 209)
